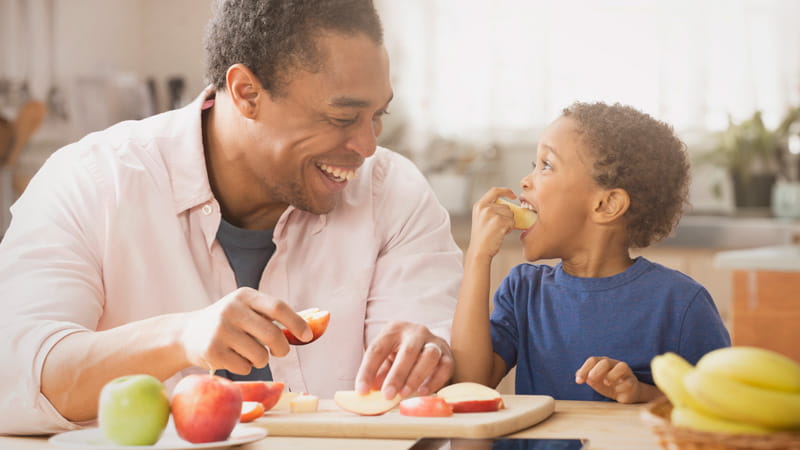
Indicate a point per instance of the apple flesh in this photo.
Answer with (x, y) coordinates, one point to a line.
(251, 411)
(266, 392)
(371, 404)
(133, 410)
(318, 322)
(471, 397)
(205, 408)
(304, 403)
(427, 406)
(285, 400)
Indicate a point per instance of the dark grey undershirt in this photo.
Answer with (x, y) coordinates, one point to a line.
(248, 252)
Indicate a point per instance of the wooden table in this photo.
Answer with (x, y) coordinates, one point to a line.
(608, 426)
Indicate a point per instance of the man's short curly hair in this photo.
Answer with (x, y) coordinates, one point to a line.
(637, 153)
(272, 37)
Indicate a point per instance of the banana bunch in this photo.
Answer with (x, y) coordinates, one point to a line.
(744, 390)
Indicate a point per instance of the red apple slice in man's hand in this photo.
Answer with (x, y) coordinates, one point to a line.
(471, 397)
(371, 404)
(318, 322)
(427, 406)
(265, 392)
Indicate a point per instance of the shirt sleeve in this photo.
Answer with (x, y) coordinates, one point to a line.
(418, 269)
(502, 323)
(51, 284)
(702, 329)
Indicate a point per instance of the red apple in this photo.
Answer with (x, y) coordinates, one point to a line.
(251, 411)
(471, 397)
(371, 404)
(318, 322)
(266, 392)
(428, 406)
(205, 408)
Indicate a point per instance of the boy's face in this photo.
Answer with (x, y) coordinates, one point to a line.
(560, 188)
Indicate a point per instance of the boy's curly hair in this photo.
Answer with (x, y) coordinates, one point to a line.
(272, 37)
(637, 153)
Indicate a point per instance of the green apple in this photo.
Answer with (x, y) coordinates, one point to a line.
(133, 410)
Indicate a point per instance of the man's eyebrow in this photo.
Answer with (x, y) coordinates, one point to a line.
(351, 102)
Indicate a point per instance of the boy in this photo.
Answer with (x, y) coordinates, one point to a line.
(606, 179)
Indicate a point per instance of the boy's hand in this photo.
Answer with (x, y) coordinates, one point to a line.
(490, 223)
(611, 378)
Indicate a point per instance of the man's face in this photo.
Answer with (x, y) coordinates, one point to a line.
(561, 189)
(307, 143)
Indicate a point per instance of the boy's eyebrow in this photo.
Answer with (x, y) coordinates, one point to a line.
(352, 102)
(550, 149)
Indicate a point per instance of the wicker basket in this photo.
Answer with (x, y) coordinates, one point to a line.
(656, 415)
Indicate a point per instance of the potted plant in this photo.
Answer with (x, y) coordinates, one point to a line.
(751, 153)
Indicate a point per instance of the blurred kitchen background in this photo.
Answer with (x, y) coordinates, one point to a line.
(475, 83)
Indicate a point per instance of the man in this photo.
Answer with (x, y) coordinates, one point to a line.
(132, 250)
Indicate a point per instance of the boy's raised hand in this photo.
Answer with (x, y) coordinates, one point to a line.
(614, 379)
(490, 222)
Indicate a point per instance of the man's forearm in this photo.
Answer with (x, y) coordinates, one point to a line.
(78, 366)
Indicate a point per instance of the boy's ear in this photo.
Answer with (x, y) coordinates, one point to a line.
(244, 89)
(611, 204)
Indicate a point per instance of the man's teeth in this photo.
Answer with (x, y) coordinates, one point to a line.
(338, 173)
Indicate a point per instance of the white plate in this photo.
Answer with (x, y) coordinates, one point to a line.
(93, 438)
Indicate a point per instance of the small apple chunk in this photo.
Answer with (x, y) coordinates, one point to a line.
(427, 406)
(266, 392)
(304, 403)
(133, 410)
(285, 400)
(371, 404)
(471, 397)
(251, 411)
(318, 322)
(205, 408)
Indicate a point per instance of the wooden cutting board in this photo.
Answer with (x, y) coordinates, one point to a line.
(521, 411)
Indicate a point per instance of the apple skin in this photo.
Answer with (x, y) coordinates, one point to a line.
(471, 397)
(133, 410)
(205, 408)
(370, 404)
(266, 392)
(318, 322)
(251, 411)
(427, 406)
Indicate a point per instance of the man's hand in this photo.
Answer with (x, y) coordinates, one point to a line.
(237, 332)
(405, 358)
(614, 379)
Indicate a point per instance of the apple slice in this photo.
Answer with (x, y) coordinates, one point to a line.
(266, 392)
(318, 322)
(371, 404)
(304, 403)
(251, 411)
(427, 406)
(471, 397)
(285, 400)
(523, 218)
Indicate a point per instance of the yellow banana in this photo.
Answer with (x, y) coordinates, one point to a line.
(668, 372)
(755, 366)
(740, 402)
(690, 418)
(523, 218)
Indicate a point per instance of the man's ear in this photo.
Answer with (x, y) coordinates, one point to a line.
(611, 204)
(244, 89)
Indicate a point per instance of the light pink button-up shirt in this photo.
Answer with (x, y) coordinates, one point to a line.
(121, 226)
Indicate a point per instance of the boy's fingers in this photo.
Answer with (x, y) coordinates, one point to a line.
(583, 372)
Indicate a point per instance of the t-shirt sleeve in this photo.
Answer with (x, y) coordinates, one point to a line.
(505, 336)
(702, 329)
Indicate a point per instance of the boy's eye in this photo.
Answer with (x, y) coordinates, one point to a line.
(533, 165)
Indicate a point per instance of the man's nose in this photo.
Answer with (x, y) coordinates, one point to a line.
(364, 139)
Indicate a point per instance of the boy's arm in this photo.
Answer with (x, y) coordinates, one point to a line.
(471, 340)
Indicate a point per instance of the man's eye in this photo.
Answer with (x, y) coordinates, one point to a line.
(343, 122)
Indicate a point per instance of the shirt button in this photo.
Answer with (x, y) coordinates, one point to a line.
(207, 209)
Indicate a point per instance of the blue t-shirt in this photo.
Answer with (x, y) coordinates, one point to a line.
(548, 322)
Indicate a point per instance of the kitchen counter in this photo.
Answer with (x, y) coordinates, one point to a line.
(607, 425)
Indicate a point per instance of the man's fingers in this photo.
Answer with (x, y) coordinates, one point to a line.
(426, 364)
(278, 311)
(374, 358)
(404, 362)
(443, 372)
